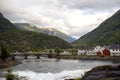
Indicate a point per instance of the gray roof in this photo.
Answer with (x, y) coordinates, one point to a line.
(114, 46)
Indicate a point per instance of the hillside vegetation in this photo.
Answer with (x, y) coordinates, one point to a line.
(107, 33)
(49, 31)
(21, 40)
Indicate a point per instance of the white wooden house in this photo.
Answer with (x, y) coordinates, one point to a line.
(99, 49)
(114, 50)
(82, 52)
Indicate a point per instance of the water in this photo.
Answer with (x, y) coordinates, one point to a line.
(53, 69)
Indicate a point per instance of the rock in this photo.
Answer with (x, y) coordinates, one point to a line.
(107, 72)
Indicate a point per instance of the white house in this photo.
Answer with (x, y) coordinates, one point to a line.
(86, 52)
(91, 52)
(114, 50)
(82, 52)
(99, 49)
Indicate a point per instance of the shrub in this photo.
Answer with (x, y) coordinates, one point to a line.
(58, 51)
(10, 75)
(50, 51)
(4, 53)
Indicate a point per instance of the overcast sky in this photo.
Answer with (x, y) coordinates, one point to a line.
(73, 17)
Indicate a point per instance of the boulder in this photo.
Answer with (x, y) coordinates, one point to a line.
(108, 72)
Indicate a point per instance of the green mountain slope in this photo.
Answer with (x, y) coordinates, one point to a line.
(107, 33)
(3, 26)
(22, 40)
(49, 31)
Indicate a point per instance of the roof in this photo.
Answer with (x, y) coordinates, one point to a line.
(114, 46)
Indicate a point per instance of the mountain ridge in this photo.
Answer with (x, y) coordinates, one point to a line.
(107, 33)
(21, 40)
(49, 31)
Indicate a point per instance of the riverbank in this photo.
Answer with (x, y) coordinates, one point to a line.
(69, 56)
(82, 57)
(8, 63)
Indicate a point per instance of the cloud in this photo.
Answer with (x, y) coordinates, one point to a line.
(93, 4)
(73, 17)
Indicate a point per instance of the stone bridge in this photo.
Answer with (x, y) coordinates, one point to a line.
(26, 54)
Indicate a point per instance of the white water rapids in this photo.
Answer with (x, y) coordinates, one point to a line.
(30, 75)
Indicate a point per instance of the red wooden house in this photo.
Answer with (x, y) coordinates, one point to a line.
(106, 52)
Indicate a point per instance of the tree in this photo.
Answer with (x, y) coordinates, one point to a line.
(58, 51)
(4, 53)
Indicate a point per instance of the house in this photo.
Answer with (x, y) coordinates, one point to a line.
(98, 49)
(114, 49)
(106, 52)
(82, 52)
(91, 52)
(102, 51)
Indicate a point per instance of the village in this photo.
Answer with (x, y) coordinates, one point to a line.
(112, 50)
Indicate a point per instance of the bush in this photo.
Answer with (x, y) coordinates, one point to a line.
(50, 51)
(58, 51)
(4, 53)
(10, 75)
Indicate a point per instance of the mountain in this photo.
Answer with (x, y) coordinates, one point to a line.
(54, 32)
(107, 33)
(23, 40)
(49, 31)
(3, 22)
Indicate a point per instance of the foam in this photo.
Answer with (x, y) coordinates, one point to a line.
(31, 75)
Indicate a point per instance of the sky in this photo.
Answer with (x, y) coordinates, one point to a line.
(72, 17)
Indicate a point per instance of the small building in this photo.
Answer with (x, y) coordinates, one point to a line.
(91, 53)
(106, 52)
(102, 51)
(82, 52)
(114, 49)
(88, 52)
(98, 49)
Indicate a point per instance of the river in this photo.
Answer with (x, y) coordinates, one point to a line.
(53, 69)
